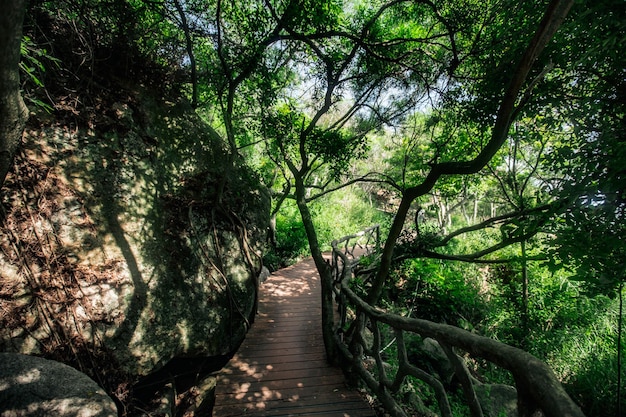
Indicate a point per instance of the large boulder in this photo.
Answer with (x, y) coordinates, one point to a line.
(36, 387)
(131, 236)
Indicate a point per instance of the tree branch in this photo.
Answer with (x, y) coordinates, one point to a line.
(553, 17)
(498, 219)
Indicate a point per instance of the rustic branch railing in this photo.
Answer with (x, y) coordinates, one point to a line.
(364, 333)
(346, 253)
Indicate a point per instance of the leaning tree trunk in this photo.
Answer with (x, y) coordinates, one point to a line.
(13, 112)
(509, 107)
(324, 270)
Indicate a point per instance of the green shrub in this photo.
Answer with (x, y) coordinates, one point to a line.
(334, 215)
(440, 291)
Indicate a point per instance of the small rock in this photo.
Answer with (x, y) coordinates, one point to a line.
(32, 386)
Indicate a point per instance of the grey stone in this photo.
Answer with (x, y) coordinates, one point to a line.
(497, 400)
(32, 386)
(437, 360)
(264, 275)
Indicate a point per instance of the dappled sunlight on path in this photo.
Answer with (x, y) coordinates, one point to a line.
(280, 369)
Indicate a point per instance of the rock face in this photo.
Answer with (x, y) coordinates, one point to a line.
(31, 386)
(130, 236)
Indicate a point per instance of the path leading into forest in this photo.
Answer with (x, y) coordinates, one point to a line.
(280, 369)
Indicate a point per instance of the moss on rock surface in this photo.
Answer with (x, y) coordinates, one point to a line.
(123, 241)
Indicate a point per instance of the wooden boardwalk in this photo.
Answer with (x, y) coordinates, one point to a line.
(280, 369)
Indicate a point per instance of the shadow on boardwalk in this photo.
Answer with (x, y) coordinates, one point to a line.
(280, 369)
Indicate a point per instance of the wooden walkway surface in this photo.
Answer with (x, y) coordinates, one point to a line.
(280, 369)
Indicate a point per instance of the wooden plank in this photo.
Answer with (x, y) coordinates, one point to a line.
(311, 338)
(320, 393)
(300, 407)
(278, 326)
(273, 360)
(269, 370)
(309, 383)
(306, 374)
(281, 369)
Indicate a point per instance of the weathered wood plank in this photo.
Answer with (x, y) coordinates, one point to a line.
(280, 369)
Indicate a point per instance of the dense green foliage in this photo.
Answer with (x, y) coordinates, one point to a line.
(345, 108)
(334, 215)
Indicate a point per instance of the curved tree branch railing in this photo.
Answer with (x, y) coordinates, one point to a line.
(361, 331)
(347, 252)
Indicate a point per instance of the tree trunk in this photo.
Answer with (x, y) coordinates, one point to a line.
(475, 214)
(13, 112)
(323, 268)
(494, 209)
(271, 234)
(525, 312)
(190, 53)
